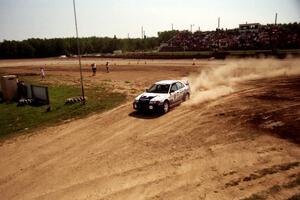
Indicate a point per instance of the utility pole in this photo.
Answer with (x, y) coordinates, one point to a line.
(142, 32)
(172, 27)
(276, 18)
(218, 22)
(192, 27)
(79, 54)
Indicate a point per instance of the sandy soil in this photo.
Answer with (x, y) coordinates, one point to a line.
(242, 144)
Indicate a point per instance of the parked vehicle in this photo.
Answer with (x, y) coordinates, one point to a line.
(163, 95)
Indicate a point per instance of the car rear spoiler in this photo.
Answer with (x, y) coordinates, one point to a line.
(186, 82)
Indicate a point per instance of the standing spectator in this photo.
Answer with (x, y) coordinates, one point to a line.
(42, 73)
(22, 90)
(107, 67)
(94, 68)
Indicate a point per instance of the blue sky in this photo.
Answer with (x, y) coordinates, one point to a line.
(22, 19)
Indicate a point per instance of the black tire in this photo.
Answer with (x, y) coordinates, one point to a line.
(186, 97)
(139, 111)
(166, 107)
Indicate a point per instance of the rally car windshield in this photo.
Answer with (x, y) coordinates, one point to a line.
(159, 88)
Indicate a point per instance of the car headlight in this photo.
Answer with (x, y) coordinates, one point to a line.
(135, 104)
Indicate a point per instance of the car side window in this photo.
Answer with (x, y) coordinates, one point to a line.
(179, 85)
(174, 87)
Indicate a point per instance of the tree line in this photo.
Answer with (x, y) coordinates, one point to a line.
(39, 48)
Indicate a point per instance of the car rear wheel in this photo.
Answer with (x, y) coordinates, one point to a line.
(186, 97)
(166, 107)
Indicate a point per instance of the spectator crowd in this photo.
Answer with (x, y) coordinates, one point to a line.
(246, 37)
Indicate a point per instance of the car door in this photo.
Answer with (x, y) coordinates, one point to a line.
(174, 94)
(180, 87)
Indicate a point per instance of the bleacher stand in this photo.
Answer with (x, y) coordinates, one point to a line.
(247, 37)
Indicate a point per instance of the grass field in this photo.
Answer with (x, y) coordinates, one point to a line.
(15, 120)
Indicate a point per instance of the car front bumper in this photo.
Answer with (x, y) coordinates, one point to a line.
(146, 106)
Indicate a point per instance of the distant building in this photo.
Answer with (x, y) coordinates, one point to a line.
(117, 52)
(249, 27)
(63, 56)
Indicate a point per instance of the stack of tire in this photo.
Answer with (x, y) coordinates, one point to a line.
(23, 102)
(75, 100)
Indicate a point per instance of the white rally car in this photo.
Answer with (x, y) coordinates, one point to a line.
(162, 95)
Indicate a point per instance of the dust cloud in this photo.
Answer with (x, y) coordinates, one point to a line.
(214, 82)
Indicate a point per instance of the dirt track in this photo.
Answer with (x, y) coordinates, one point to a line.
(242, 144)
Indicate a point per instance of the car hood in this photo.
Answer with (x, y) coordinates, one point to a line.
(154, 96)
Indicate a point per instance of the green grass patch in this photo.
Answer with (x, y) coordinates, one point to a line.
(16, 120)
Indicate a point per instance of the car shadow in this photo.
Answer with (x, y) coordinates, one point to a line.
(145, 115)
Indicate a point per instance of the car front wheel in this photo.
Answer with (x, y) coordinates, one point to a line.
(166, 107)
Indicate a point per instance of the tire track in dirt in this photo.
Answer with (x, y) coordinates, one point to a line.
(190, 153)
